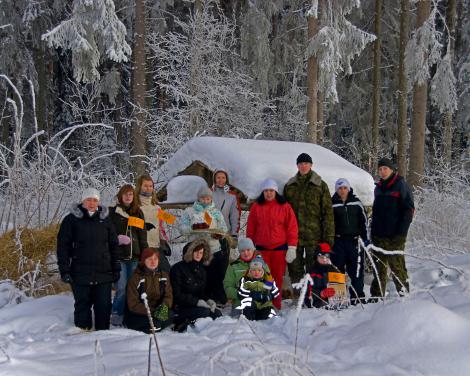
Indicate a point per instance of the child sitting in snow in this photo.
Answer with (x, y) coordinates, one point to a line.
(317, 294)
(257, 291)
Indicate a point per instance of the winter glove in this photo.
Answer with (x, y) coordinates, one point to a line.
(366, 242)
(266, 298)
(327, 293)
(212, 305)
(149, 226)
(203, 304)
(116, 276)
(161, 312)
(256, 295)
(291, 253)
(66, 278)
(124, 240)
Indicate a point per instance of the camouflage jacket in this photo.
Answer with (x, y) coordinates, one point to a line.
(310, 198)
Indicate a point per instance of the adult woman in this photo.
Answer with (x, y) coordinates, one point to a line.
(226, 201)
(236, 270)
(128, 221)
(87, 259)
(149, 279)
(188, 280)
(273, 228)
(203, 215)
(148, 203)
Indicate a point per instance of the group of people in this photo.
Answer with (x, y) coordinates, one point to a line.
(304, 228)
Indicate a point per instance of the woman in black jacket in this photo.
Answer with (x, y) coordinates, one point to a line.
(88, 260)
(129, 222)
(350, 224)
(188, 280)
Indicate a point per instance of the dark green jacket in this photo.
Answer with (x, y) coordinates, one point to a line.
(310, 198)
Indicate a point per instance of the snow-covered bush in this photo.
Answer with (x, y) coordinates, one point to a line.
(442, 221)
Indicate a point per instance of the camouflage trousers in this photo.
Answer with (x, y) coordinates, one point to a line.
(396, 264)
(305, 257)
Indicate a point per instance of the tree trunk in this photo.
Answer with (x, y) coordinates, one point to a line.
(312, 86)
(320, 126)
(418, 125)
(402, 131)
(376, 86)
(139, 144)
(447, 136)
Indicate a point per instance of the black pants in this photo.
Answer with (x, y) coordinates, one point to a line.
(185, 316)
(348, 258)
(88, 297)
(216, 274)
(252, 313)
(141, 322)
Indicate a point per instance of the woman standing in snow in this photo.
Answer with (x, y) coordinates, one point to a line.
(188, 280)
(129, 223)
(226, 201)
(273, 228)
(204, 220)
(148, 203)
(149, 279)
(87, 258)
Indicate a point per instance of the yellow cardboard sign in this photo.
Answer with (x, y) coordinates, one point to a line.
(136, 222)
(207, 218)
(336, 277)
(166, 217)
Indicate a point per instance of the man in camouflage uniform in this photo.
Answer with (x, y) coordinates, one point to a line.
(310, 198)
(392, 214)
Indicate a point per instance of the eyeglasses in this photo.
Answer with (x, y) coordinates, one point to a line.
(324, 255)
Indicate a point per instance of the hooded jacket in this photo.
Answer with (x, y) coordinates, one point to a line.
(188, 277)
(228, 203)
(155, 283)
(87, 246)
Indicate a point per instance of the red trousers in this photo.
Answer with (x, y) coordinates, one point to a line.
(276, 261)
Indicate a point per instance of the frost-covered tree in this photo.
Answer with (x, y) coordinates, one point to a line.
(199, 73)
(93, 33)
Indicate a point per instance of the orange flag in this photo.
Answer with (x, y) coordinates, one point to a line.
(136, 222)
(207, 218)
(336, 277)
(166, 217)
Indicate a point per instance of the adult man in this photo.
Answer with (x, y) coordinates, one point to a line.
(310, 198)
(392, 214)
(88, 260)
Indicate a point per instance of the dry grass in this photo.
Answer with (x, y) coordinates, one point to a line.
(37, 243)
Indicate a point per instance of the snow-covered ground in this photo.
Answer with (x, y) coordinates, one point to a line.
(424, 334)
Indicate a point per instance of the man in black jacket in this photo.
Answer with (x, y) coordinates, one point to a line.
(350, 224)
(87, 258)
(392, 214)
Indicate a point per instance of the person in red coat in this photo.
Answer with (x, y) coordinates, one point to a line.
(273, 228)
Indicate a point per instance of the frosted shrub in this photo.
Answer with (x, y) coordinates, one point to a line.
(442, 221)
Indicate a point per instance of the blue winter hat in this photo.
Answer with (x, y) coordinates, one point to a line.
(258, 263)
(245, 243)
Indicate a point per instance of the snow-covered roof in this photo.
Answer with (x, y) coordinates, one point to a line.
(184, 189)
(249, 162)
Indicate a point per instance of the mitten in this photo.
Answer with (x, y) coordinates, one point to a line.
(149, 226)
(203, 304)
(327, 293)
(366, 242)
(256, 295)
(212, 305)
(124, 240)
(291, 253)
(161, 312)
(66, 278)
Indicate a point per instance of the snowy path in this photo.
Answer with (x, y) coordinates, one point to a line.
(425, 334)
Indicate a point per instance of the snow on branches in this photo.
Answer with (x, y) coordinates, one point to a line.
(336, 44)
(93, 30)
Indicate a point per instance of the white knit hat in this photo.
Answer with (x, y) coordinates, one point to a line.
(245, 243)
(342, 182)
(90, 193)
(269, 184)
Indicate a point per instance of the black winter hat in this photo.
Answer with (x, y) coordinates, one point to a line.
(387, 162)
(304, 157)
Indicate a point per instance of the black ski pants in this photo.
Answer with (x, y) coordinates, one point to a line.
(96, 297)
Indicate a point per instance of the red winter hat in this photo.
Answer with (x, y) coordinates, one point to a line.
(146, 253)
(323, 248)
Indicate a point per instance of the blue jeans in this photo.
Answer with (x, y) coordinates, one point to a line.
(119, 302)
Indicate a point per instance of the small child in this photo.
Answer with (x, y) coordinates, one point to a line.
(257, 290)
(318, 294)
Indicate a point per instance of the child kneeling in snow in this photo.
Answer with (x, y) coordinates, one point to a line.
(317, 294)
(257, 291)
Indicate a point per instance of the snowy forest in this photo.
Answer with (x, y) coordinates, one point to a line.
(98, 92)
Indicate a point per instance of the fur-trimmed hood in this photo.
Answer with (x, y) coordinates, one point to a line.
(315, 179)
(191, 246)
(79, 211)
